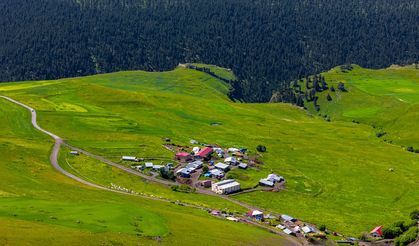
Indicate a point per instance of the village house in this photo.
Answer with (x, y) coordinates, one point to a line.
(266, 182)
(216, 173)
(183, 156)
(307, 229)
(184, 173)
(377, 231)
(243, 165)
(275, 178)
(230, 160)
(255, 214)
(204, 153)
(149, 164)
(232, 150)
(288, 218)
(226, 186)
(223, 167)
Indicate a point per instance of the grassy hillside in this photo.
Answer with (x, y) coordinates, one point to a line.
(387, 99)
(337, 172)
(38, 206)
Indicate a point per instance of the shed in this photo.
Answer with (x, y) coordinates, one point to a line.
(74, 152)
(233, 150)
(149, 165)
(280, 226)
(232, 219)
(377, 231)
(265, 182)
(288, 231)
(243, 165)
(129, 158)
(222, 166)
(157, 167)
(288, 218)
(206, 183)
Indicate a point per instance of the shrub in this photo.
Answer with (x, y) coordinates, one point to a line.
(329, 98)
(205, 169)
(391, 232)
(414, 215)
(261, 148)
(322, 227)
(341, 87)
(363, 236)
(408, 237)
(410, 149)
(380, 134)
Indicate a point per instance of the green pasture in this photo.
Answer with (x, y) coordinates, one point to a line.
(337, 173)
(39, 206)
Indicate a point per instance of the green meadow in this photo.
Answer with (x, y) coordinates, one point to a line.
(337, 173)
(39, 206)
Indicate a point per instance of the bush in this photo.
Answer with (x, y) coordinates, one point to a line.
(391, 232)
(205, 169)
(363, 236)
(410, 149)
(182, 188)
(380, 134)
(261, 148)
(329, 98)
(322, 227)
(408, 237)
(414, 215)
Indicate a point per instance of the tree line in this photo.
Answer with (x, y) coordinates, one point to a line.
(267, 43)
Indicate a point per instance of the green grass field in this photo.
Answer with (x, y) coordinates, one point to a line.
(39, 206)
(337, 172)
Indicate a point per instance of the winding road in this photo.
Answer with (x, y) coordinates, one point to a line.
(54, 162)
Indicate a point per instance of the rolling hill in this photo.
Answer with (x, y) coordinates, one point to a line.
(337, 172)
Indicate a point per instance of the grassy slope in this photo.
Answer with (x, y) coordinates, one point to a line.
(38, 206)
(337, 172)
(385, 98)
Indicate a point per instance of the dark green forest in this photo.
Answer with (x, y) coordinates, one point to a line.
(267, 43)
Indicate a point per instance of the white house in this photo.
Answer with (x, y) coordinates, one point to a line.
(266, 182)
(222, 166)
(307, 229)
(149, 164)
(226, 186)
(230, 160)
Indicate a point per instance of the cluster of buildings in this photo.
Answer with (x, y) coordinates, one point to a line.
(271, 180)
(288, 225)
(191, 167)
(219, 161)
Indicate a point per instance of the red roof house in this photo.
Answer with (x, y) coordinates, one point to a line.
(205, 152)
(377, 232)
(183, 156)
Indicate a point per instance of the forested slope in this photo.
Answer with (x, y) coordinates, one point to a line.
(265, 42)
